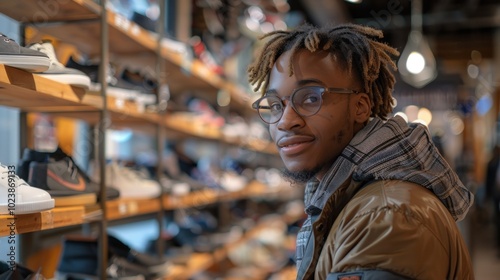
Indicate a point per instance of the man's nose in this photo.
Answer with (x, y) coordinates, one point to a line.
(290, 117)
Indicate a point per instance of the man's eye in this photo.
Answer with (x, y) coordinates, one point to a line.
(310, 98)
(275, 106)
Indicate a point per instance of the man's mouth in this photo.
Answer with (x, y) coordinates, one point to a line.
(294, 144)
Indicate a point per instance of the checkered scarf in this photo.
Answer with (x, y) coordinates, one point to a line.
(391, 150)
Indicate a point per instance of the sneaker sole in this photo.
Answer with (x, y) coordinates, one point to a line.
(69, 79)
(74, 200)
(26, 62)
(29, 207)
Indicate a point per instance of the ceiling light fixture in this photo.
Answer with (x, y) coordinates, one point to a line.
(417, 64)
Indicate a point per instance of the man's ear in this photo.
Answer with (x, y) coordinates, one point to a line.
(363, 108)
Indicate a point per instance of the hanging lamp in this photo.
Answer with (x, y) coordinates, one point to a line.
(417, 64)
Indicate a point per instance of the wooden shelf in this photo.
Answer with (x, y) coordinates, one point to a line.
(31, 92)
(55, 218)
(34, 93)
(27, 11)
(209, 196)
(124, 208)
(187, 124)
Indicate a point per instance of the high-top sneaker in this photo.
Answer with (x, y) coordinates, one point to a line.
(62, 180)
(30, 155)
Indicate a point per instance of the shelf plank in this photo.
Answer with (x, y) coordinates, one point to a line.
(207, 196)
(21, 89)
(193, 199)
(124, 208)
(29, 11)
(188, 123)
(55, 218)
(34, 93)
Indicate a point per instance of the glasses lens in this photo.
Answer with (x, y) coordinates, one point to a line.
(270, 109)
(307, 100)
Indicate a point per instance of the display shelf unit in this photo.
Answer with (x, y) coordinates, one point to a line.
(76, 22)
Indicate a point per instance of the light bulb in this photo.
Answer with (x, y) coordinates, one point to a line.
(417, 65)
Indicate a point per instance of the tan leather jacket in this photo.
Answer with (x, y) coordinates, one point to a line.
(396, 227)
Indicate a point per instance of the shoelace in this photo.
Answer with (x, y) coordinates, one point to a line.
(5, 175)
(49, 51)
(72, 168)
(130, 174)
(6, 39)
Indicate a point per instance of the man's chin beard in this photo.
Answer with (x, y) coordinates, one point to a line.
(299, 177)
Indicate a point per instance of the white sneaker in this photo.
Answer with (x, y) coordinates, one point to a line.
(17, 197)
(130, 183)
(57, 71)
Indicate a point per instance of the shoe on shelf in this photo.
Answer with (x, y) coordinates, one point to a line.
(30, 155)
(92, 70)
(62, 180)
(15, 271)
(130, 183)
(154, 265)
(17, 197)
(12, 54)
(144, 21)
(57, 71)
(79, 259)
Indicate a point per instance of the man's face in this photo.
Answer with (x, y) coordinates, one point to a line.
(309, 145)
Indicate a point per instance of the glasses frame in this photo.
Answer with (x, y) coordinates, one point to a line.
(256, 106)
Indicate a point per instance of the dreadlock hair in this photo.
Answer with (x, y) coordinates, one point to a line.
(355, 47)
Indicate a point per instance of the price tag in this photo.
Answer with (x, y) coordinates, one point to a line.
(122, 208)
(119, 103)
(135, 30)
(133, 207)
(122, 22)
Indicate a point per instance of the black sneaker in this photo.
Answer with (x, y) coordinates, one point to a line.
(79, 259)
(18, 272)
(154, 265)
(30, 155)
(12, 54)
(144, 21)
(91, 70)
(62, 181)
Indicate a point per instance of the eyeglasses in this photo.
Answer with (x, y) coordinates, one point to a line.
(305, 101)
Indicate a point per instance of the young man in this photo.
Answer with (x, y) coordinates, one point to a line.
(381, 201)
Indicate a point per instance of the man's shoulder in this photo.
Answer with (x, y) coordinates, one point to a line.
(398, 196)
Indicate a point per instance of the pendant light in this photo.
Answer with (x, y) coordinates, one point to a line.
(417, 65)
